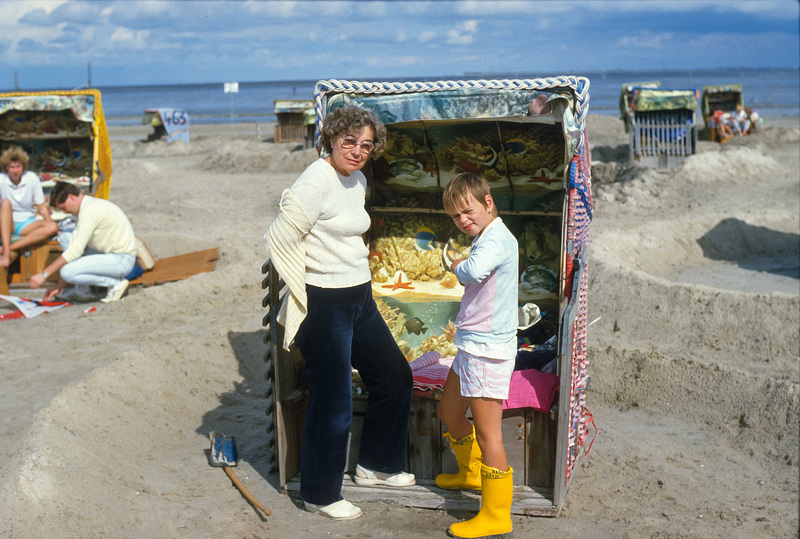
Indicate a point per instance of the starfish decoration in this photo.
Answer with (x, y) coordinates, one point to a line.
(543, 179)
(399, 284)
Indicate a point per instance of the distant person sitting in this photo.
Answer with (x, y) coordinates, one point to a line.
(740, 121)
(158, 128)
(719, 122)
(101, 250)
(5, 232)
(756, 121)
(22, 196)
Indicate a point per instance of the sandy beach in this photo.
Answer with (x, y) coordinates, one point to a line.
(695, 356)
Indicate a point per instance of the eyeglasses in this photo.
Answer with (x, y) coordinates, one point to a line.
(349, 142)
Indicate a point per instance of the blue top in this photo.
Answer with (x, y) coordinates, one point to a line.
(487, 321)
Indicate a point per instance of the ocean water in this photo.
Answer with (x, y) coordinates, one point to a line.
(773, 92)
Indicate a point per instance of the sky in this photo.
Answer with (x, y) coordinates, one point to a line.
(49, 44)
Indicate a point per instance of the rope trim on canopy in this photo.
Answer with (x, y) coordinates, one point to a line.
(579, 85)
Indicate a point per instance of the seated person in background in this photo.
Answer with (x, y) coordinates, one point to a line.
(5, 232)
(23, 190)
(101, 251)
(756, 121)
(720, 123)
(740, 121)
(158, 128)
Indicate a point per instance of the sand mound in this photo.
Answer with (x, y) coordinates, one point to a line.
(237, 157)
(102, 447)
(694, 276)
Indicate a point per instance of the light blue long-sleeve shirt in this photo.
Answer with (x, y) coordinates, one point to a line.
(487, 321)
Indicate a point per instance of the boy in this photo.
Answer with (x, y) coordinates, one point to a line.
(486, 338)
(101, 251)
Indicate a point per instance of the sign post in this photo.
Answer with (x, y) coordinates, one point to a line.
(231, 88)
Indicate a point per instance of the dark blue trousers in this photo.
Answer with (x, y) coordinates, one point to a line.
(343, 328)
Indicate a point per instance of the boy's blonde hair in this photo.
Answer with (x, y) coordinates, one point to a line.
(455, 194)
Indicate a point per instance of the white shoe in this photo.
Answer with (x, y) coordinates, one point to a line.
(341, 510)
(77, 293)
(368, 478)
(115, 292)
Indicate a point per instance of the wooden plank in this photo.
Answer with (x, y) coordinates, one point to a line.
(425, 494)
(514, 441)
(424, 439)
(180, 267)
(541, 435)
(5, 275)
(33, 259)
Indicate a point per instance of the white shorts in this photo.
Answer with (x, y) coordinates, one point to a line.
(483, 376)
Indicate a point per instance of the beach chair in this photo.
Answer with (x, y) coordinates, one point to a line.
(64, 133)
(626, 99)
(662, 126)
(528, 138)
(718, 97)
(29, 261)
(291, 116)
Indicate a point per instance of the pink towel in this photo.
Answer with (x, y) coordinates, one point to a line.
(532, 388)
(430, 371)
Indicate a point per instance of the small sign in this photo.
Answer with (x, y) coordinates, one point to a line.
(231, 87)
(175, 122)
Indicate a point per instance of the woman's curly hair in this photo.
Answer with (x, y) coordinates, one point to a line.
(342, 120)
(11, 154)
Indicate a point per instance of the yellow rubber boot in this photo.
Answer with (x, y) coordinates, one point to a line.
(468, 455)
(494, 518)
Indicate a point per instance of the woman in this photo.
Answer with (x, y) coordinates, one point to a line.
(317, 247)
(22, 197)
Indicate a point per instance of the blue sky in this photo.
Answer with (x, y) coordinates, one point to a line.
(48, 44)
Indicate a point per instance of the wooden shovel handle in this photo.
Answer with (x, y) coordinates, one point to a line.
(244, 491)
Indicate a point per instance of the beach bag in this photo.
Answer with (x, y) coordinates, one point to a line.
(143, 257)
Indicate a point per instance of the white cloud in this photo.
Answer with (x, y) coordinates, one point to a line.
(647, 40)
(125, 38)
(463, 34)
(765, 9)
(425, 37)
(518, 7)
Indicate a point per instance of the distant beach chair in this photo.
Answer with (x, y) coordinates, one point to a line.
(662, 126)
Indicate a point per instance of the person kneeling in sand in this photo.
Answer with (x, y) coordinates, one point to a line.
(101, 251)
(21, 197)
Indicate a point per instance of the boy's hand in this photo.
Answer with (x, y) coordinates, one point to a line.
(37, 280)
(51, 294)
(455, 263)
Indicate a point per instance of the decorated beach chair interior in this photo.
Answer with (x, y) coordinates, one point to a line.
(527, 138)
(662, 128)
(64, 133)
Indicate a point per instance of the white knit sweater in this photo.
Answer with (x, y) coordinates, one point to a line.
(336, 256)
(316, 238)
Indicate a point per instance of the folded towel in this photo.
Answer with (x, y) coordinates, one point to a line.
(431, 371)
(428, 358)
(532, 388)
